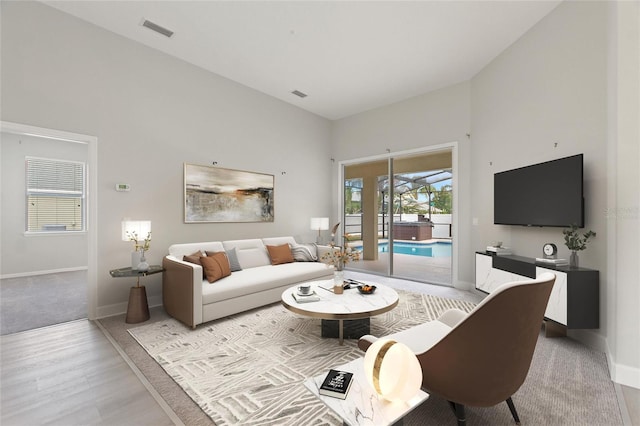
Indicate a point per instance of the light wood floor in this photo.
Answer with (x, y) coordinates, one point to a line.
(70, 374)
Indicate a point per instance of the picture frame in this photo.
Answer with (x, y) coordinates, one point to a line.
(215, 194)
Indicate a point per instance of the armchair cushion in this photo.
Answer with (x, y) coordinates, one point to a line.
(422, 337)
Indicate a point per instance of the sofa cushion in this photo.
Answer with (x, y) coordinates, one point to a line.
(305, 252)
(180, 250)
(280, 254)
(215, 266)
(251, 253)
(263, 278)
(277, 241)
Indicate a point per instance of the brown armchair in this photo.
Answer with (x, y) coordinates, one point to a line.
(481, 358)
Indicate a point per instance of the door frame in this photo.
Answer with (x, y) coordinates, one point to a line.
(92, 197)
(453, 146)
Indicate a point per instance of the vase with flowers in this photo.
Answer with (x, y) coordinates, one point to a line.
(576, 242)
(138, 260)
(338, 257)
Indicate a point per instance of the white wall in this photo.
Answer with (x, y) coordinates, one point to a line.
(24, 255)
(544, 97)
(551, 87)
(432, 119)
(548, 88)
(151, 113)
(623, 207)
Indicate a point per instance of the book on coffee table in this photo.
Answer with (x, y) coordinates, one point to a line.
(311, 297)
(336, 384)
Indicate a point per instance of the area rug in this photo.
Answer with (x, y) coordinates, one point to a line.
(249, 368)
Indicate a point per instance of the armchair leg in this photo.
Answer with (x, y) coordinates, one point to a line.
(512, 408)
(458, 410)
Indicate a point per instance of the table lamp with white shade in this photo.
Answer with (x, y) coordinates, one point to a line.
(319, 224)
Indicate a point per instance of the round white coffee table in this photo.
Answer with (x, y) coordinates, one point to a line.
(350, 305)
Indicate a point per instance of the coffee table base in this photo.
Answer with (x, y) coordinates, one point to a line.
(352, 329)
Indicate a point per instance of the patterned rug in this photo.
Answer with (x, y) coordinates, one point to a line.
(249, 368)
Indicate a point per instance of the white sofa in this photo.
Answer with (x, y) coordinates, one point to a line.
(193, 300)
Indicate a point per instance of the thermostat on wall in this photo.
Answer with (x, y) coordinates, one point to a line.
(122, 187)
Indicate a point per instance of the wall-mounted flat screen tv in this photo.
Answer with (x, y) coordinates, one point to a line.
(545, 194)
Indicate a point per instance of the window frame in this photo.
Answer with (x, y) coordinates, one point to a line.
(56, 193)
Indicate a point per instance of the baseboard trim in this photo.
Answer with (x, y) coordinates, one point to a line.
(45, 272)
(464, 285)
(625, 375)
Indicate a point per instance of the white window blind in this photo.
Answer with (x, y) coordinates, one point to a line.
(55, 195)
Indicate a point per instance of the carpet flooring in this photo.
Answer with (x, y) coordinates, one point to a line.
(248, 369)
(42, 300)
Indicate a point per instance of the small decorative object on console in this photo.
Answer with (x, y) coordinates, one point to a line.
(549, 251)
(499, 250)
(336, 384)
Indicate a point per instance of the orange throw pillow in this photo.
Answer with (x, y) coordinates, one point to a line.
(280, 254)
(215, 266)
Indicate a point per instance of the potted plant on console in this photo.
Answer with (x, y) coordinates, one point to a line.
(576, 242)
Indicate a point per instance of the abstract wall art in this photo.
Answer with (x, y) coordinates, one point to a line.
(213, 194)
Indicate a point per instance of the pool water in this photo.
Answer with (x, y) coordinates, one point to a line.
(438, 249)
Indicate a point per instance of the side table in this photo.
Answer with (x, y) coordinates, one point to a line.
(362, 405)
(138, 308)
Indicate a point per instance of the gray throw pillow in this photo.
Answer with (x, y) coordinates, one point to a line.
(305, 252)
(232, 256)
(234, 264)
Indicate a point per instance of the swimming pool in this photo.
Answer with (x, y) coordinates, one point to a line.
(437, 249)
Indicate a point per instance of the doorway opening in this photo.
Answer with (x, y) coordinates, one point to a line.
(48, 251)
(399, 212)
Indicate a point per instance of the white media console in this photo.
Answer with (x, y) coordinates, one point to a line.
(575, 298)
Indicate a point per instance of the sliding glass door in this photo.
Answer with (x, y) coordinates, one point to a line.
(397, 211)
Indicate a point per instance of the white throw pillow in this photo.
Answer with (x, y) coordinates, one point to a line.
(304, 252)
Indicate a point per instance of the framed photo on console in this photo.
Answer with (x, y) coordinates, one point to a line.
(214, 194)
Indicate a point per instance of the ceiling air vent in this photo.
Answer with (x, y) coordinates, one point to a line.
(299, 94)
(157, 28)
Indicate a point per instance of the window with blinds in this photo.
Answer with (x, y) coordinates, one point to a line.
(55, 195)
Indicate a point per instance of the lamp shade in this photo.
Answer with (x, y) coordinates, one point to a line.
(393, 370)
(319, 223)
(141, 228)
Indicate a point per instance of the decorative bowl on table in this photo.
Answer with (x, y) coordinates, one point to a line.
(366, 289)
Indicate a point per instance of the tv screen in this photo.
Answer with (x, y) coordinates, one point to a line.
(545, 194)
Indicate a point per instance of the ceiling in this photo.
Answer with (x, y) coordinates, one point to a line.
(347, 56)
